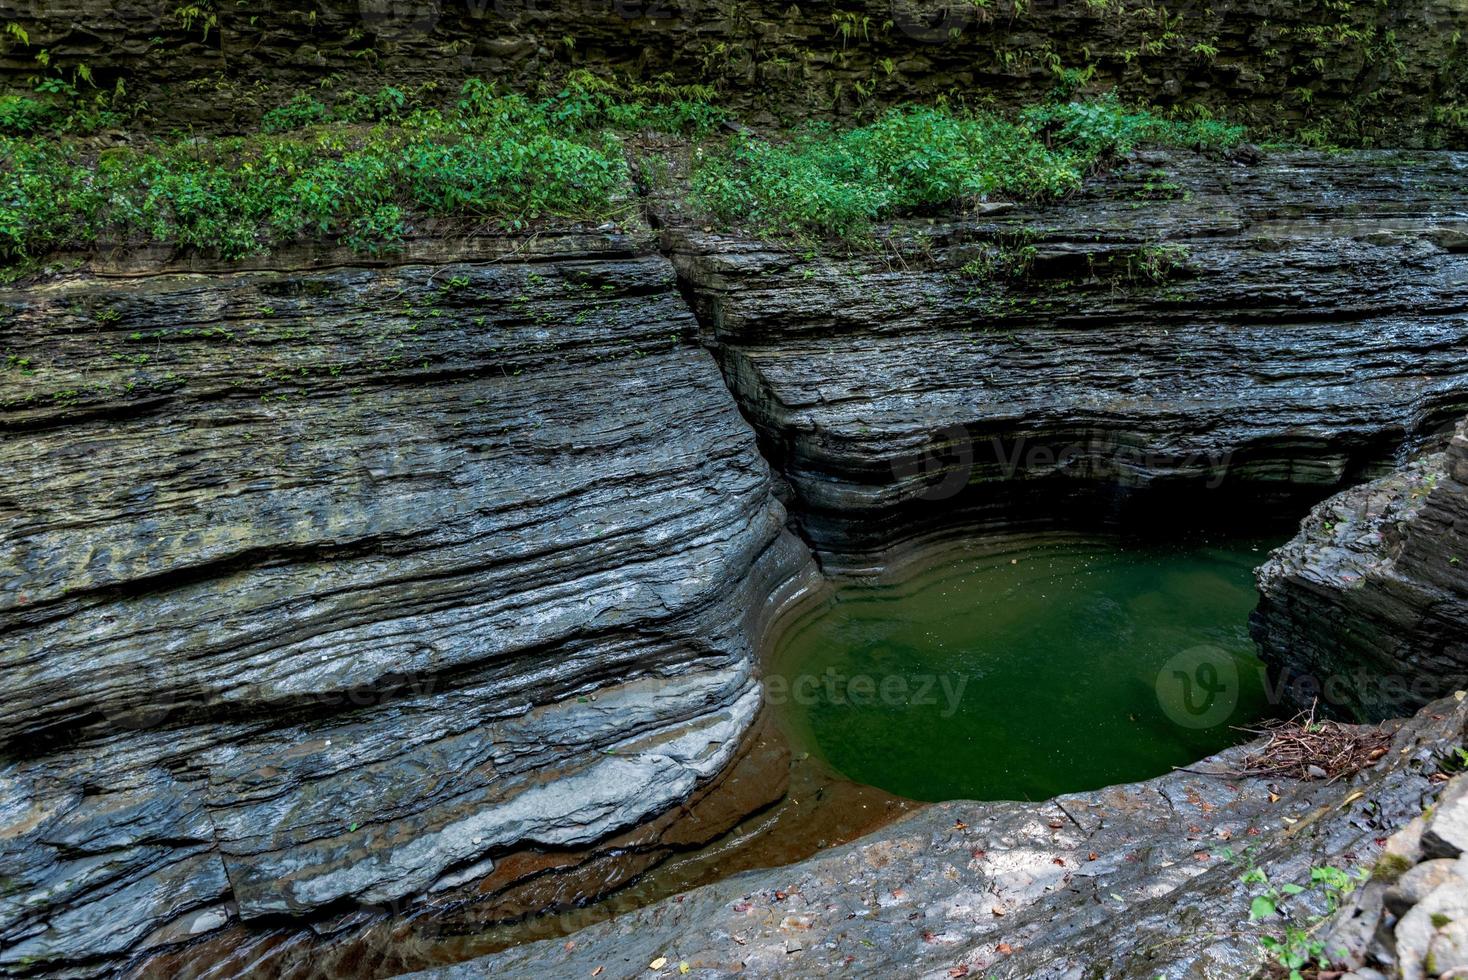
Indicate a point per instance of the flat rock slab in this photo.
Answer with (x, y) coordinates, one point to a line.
(1128, 881)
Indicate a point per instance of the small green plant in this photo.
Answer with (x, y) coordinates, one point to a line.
(301, 111)
(1160, 261)
(1296, 947)
(198, 13)
(315, 172)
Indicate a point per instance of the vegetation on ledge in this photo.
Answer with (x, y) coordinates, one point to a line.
(364, 170)
(827, 182)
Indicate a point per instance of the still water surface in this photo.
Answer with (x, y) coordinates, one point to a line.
(1028, 669)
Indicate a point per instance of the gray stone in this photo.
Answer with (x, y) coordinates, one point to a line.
(1413, 886)
(329, 587)
(1446, 834)
(1419, 928)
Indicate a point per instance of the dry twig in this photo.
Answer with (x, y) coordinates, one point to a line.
(1303, 748)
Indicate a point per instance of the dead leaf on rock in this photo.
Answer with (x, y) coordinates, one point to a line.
(1092, 856)
(658, 963)
(1004, 949)
(961, 970)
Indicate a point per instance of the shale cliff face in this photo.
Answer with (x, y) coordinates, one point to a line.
(1366, 610)
(328, 588)
(1388, 74)
(1189, 337)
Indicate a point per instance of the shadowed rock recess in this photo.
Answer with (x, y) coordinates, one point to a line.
(337, 585)
(1266, 333)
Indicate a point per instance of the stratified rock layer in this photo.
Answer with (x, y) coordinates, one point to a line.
(1191, 338)
(1366, 610)
(1127, 882)
(323, 589)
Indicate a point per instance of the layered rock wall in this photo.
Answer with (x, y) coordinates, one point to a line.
(330, 583)
(327, 588)
(1366, 610)
(1190, 338)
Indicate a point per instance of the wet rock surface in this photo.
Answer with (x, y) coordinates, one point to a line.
(1129, 881)
(1267, 333)
(327, 589)
(1366, 610)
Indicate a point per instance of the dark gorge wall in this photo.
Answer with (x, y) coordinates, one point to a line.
(325, 591)
(1365, 613)
(1384, 73)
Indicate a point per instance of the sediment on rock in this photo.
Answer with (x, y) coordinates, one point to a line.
(326, 589)
(1365, 612)
(1111, 359)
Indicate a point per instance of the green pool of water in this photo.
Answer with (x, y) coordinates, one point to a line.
(1028, 669)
